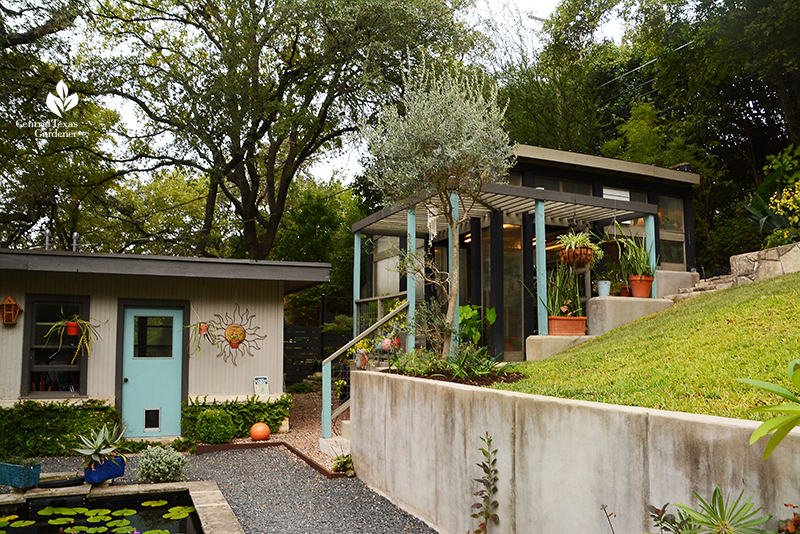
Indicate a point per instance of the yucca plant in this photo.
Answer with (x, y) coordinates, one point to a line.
(782, 425)
(720, 516)
(101, 445)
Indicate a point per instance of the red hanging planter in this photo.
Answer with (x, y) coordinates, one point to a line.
(72, 329)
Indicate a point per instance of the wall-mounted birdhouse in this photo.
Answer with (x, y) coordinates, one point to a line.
(9, 310)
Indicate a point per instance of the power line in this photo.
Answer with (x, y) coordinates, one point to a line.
(643, 66)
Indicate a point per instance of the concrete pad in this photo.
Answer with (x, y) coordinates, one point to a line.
(346, 429)
(604, 314)
(213, 510)
(541, 347)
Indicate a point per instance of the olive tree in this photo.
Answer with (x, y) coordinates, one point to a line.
(443, 139)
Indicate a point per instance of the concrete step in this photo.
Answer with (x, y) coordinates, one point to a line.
(346, 429)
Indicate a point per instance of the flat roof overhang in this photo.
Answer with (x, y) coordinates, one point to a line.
(596, 164)
(294, 275)
(560, 209)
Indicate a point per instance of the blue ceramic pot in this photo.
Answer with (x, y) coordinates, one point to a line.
(100, 472)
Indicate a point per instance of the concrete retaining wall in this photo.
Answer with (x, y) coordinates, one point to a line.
(764, 264)
(416, 442)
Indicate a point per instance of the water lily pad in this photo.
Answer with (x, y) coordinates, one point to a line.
(98, 518)
(96, 530)
(47, 511)
(178, 512)
(22, 523)
(3, 524)
(80, 510)
(68, 511)
(124, 512)
(118, 523)
(123, 530)
(156, 532)
(154, 504)
(73, 530)
(8, 518)
(61, 521)
(98, 511)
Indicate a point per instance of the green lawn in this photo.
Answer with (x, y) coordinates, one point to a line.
(685, 358)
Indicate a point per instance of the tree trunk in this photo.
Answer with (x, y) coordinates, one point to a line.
(789, 110)
(452, 294)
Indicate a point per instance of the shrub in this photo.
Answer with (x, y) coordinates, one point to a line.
(243, 414)
(215, 426)
(301, 387)
(161, 464)
(33, 429)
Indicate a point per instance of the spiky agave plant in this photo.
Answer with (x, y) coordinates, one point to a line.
(101, 445)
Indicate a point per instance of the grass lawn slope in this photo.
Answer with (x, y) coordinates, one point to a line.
(687, 357)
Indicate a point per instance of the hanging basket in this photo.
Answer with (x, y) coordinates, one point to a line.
(72, 329)
(579, 256)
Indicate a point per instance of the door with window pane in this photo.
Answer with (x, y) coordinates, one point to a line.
(152, 371)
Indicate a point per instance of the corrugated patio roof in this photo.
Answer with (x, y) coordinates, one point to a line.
(560, 209)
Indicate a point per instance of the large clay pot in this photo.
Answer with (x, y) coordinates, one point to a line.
(566, 326)
(640, 285)
(624, 291)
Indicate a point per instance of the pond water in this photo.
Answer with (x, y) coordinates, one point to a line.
(148, 514)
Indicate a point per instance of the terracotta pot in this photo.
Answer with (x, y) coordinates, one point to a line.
(202, 328)
(578, 257)
(72, 329)
(640, 285)
(624, 291)
(234, 343)
(566, 326)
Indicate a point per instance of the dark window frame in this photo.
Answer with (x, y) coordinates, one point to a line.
(28, 348)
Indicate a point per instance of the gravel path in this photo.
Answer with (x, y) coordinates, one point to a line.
(271, 490)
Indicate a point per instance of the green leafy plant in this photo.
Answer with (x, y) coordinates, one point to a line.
(470, 322)
(300, 387)
(635, 257)
(483, 510)
(344, 464)
(88, 333)
(574, 240)
(215, 426)
(101, 445)
(782, 425)
(563, 293)
(667, 522)
(338, 387)
(720, 516)
(244, 414)
(161, 464)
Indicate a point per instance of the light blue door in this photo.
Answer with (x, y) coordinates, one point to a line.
(152, 372)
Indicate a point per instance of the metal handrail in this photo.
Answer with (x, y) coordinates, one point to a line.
(326, 368)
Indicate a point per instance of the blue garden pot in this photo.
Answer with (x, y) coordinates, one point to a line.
(100, 472)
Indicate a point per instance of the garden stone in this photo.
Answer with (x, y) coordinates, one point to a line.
(791, 259)
(768, 269)
(743, 264)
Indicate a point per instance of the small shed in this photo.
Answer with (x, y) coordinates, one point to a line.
(149, 312)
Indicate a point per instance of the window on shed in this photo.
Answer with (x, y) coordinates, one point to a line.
(53, 365)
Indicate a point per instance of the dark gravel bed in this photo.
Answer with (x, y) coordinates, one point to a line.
(269, 490)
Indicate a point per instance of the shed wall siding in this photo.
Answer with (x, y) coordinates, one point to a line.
(208, 374)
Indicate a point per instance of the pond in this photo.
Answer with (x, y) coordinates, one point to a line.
(148, 514)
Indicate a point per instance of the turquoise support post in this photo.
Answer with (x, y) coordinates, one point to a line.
(411, 279)
(450, 238)
(541, 268)
(356, 279)
(650, 244)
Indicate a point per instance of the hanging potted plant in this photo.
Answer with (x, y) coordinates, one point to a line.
(579, 250)
(75, 326)
(636, 258)
(101, 459)
(565, 315)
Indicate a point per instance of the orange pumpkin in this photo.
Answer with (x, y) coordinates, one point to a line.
(259, 431)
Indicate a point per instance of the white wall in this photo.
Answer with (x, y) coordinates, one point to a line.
(416, 441)
(208, 374)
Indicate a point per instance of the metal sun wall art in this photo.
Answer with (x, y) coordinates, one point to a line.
(240, 336)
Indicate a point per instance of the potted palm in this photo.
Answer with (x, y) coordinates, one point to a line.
(101, 459)
(565, 315)
(579, 250)
(636, 261)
